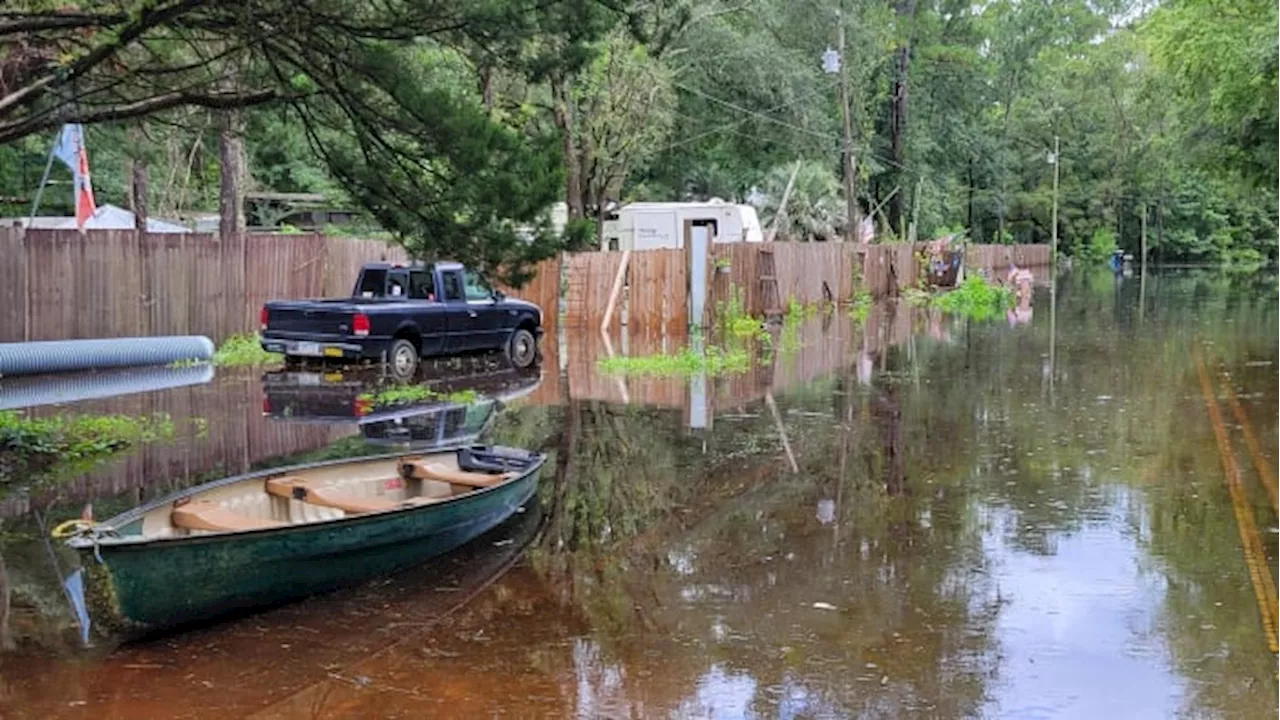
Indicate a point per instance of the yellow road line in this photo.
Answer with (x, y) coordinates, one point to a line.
(1264, 586)
(1265, 473)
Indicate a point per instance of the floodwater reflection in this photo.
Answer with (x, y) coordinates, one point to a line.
(970, 530)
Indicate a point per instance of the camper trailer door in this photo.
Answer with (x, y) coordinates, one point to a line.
(656, 230)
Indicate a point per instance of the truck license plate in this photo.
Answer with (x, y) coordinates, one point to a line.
(333, 352)
(309, 349)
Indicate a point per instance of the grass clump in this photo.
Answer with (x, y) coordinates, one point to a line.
(409, 394)
(244, 351)
(976, 299)
(34, 448)
(713, 361)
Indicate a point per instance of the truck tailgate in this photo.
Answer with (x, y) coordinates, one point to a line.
(314, 319)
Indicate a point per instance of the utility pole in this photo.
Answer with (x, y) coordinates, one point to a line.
(1057, 165)
(1144, 238)
(1142, 282)
(854, 231)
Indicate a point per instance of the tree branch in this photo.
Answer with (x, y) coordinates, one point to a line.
(217, 101)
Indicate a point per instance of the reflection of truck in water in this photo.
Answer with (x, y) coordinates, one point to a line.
(652, 225)
(335, 398)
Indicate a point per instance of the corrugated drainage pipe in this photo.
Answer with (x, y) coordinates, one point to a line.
(34, 358)
(32, 391)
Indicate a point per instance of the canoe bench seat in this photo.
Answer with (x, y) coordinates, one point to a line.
(296, 488)
(427, 470)
(210, 516)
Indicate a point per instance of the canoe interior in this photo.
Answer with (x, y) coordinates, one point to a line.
(328, 492)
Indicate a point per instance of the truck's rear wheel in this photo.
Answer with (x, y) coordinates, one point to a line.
(403, 359)
(522, 350)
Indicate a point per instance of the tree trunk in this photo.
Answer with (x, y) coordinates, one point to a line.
(973, 233)
(486, 88)
(898, 114)
(138, 181)
(232, 173)
(565, 121)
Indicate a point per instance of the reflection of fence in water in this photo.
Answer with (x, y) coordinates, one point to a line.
(823, 344)
(218, 428)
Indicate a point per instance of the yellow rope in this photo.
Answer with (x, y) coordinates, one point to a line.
(1264, 587)
(71, 527)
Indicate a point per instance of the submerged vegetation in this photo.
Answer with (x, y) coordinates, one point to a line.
(408, 394)
(976, 298)
(35, 448)
(245, 351)
(712, 361)
(860, 308)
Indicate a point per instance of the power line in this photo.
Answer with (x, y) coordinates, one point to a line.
(762, 116)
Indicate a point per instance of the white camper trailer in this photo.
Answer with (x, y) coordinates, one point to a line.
(650, 225)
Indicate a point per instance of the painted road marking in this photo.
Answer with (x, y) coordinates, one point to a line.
(1265, 473)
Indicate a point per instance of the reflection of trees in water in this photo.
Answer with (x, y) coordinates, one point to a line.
(648, 526)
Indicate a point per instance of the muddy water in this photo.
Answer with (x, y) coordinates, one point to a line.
(1025, 518)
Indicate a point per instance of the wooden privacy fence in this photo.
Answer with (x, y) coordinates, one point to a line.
(807, 272)
(59, 284)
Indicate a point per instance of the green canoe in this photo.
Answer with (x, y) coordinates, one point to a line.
(272, 536)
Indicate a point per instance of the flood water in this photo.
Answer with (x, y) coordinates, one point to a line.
(1002, 519)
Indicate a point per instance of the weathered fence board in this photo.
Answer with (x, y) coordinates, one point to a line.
(13, 285)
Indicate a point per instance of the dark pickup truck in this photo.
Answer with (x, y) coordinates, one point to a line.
(400, 313)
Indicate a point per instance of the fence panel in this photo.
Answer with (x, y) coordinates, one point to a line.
(658, 294)
(590, 280)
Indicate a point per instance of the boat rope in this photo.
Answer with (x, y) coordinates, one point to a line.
(74, 527)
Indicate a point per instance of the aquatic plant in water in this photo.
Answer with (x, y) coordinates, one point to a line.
(976, 298)
(714, 361)
(406, 394)
(244, 350)
(34, 448)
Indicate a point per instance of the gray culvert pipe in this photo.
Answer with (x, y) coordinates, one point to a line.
(34, 358)
(32, 391)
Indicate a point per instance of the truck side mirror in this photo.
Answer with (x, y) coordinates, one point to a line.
(499, 296)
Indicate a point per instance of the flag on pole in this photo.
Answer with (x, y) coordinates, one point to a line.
(71, 151)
